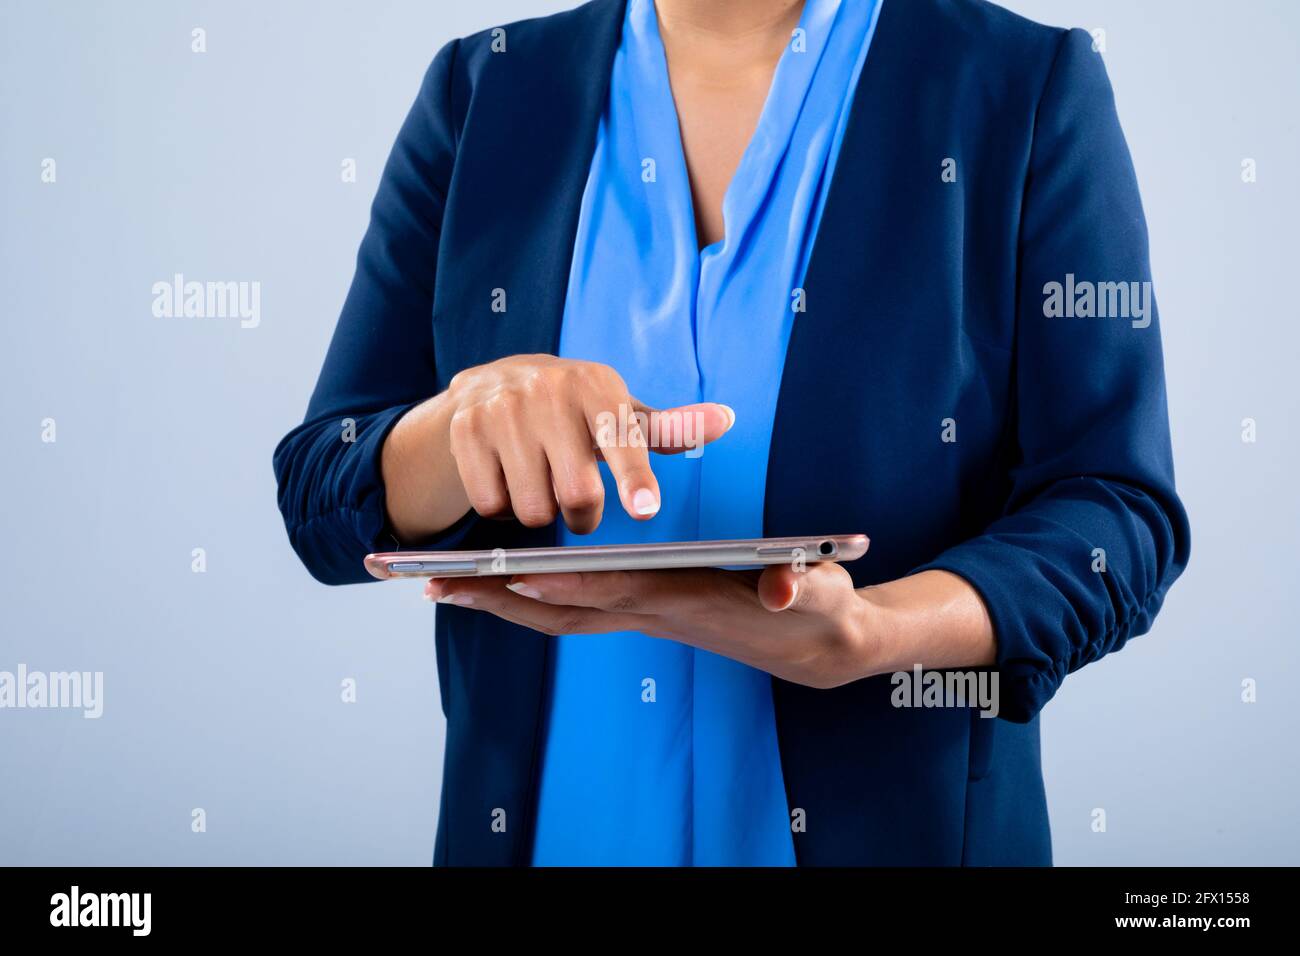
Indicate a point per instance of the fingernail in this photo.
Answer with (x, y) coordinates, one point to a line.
(731, 415)
(525, 591)
(645, 502)
(463, 599)
(429, 597)
(794, 593)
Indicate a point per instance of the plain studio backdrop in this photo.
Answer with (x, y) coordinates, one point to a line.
(223, 690)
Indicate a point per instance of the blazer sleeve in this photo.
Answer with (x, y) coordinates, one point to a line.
(1092, 534)
(380, 361)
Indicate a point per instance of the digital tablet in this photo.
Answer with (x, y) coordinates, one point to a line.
(617, 557)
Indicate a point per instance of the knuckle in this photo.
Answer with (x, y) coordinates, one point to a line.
(582, 495)
(565, 377)
(569, 624)
(488, 503)
(619, 595)
(623, 603)
(606, 379)
(466, 425)
(504, 403)
(639, 474)
(536, 384)
(534, 512)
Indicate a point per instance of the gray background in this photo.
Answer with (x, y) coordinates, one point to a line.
(222, 689)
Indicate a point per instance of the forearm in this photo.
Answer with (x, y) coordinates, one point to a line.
(933, 618)
(422, 486)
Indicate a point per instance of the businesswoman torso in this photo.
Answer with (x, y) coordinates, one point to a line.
(945, 162)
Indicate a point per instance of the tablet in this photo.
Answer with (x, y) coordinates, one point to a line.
(754, 552)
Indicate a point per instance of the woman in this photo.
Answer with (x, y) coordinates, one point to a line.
(823, 231)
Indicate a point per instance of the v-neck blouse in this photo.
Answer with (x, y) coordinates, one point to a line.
(655, 753)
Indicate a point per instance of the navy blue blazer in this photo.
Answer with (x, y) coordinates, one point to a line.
(925, 322)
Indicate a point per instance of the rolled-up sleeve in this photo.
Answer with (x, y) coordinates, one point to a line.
(1092, 534)
(380, 361)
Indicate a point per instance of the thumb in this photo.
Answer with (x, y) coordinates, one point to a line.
(686, 427)
(817, 589)
(778, 587)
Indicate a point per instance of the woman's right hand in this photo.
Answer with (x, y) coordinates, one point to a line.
(522, 436)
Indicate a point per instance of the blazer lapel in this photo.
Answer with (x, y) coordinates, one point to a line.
(848, 282)
(521, 169)
(503, 269)
(862, 349)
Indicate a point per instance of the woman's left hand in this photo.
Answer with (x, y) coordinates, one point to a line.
(810, 626)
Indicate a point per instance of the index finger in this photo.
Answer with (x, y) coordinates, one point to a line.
(619, 434)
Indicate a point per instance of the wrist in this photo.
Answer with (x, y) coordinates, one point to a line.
(422, 488)
(887, 629)
(934, 619)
